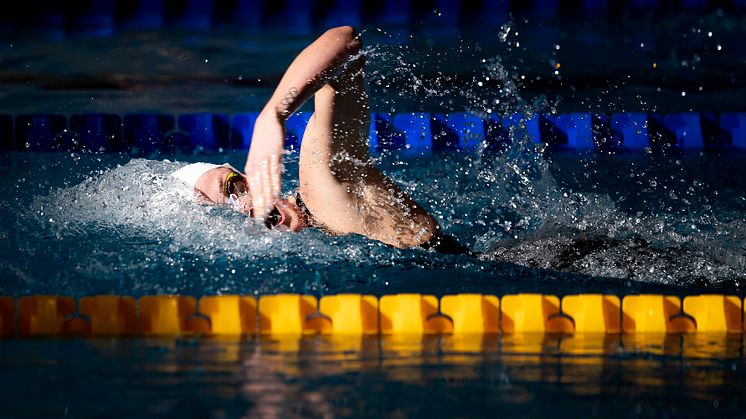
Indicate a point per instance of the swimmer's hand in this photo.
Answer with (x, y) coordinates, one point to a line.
(310, 70)
(264, 164)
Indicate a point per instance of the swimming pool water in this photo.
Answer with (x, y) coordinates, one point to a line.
(85, 224)
(395, 376)
(686, 61)
(81, 223)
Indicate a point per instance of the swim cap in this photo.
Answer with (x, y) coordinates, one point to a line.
(190, 173)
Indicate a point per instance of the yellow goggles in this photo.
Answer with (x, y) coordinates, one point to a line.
(234, 184)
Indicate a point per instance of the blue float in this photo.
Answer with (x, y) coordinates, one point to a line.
(496, 136)
(520, 126)
(632, 129)
(457, 131)
(242, 127)
(295, 126)
(373, 133)
(383, 135)
(415, 134)
(98, 132)
(39, 132)
(604, 137)
(504, 130)
(686, 128)
(660, 135)
(205, 129)
(713, 136)
(146, 132)
(734, 124)
(418, 137)
(572, 129)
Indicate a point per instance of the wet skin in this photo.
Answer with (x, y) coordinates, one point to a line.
(211, 189)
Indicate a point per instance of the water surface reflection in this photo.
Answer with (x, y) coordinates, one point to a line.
(320, 376)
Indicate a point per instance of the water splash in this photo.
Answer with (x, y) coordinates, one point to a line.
(510, 206)
(130, 228)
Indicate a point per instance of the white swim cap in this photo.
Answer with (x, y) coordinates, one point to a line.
(190, 173)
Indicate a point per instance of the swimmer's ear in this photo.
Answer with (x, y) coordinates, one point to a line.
(201, 198)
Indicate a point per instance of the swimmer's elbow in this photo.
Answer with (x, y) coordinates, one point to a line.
(427, 229)
(346, 38)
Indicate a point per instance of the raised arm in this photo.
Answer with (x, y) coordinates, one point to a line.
(310, 70)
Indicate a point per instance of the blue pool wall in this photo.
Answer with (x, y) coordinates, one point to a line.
(410, 134)
(102, 18)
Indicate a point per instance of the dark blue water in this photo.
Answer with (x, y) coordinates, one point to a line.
(323, 377)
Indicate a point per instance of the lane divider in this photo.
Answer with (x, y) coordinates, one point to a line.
(412, 134)
(356, 314)
(593, 313)
(351, 313)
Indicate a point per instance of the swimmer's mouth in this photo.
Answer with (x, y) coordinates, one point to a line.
(274, 218)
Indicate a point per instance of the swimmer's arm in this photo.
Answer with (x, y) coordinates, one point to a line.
(388, 214)
(360, 199)
(310, 70)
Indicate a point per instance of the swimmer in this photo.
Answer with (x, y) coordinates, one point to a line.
(341, 191)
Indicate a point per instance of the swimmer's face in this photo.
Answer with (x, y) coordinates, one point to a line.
(222, 185)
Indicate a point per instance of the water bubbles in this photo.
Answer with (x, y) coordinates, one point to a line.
(504, 32)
